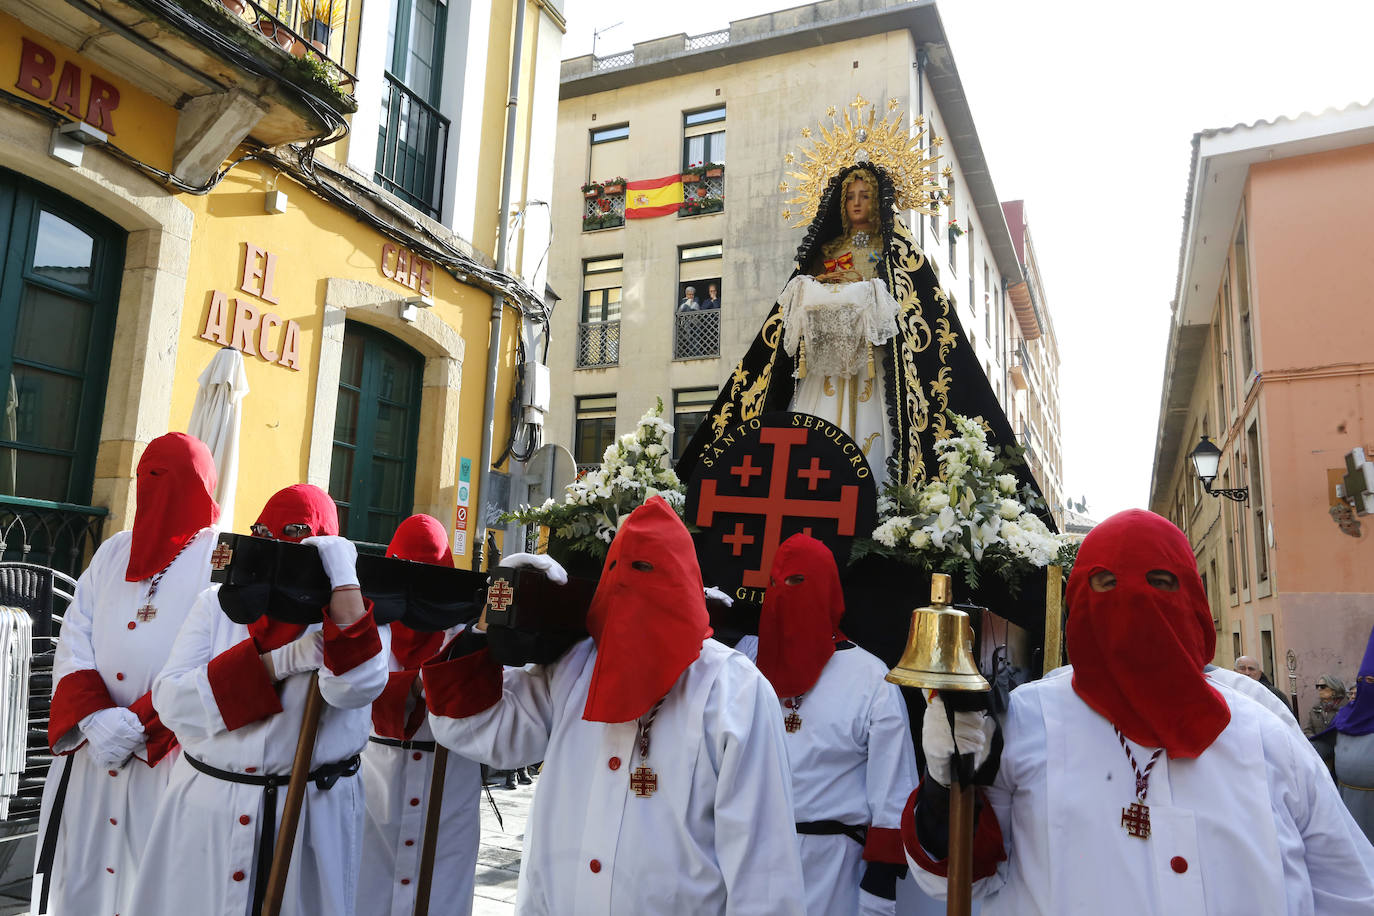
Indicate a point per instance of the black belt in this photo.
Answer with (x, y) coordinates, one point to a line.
(403, 745)
(857, 833)
(323, 777)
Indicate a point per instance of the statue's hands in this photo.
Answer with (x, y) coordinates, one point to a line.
(715, 594)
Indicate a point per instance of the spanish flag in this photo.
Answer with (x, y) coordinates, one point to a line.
(653, 197)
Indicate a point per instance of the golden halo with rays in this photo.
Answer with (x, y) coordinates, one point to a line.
(861, 136)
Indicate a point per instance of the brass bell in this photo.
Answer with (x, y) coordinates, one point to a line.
(939, 646)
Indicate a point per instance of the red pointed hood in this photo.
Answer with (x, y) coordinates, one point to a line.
(648, 617)
(298, 504)
(176, 485)
(1137, 651)
(800, 622)
(420, 538)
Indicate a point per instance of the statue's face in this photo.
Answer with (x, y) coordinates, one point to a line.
(858, 204)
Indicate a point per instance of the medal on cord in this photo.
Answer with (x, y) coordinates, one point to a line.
(1136, 818)
(149, 610)
(793, 721)
(643, 781)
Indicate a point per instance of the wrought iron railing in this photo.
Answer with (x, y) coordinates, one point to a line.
(614, 61)
(412, 147)
(706, 194)
(316, 27)
(605, 211)
(696, 334)
(709, 40)
(598, 344)
(59, 535)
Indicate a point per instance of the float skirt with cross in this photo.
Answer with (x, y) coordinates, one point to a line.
(775, 476)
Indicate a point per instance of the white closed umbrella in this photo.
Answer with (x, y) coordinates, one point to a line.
(215, 421)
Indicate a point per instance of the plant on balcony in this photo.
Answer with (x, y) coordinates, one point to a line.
(972, 521)
(713, 169)
(634, 468)
(696, 206)
(592, 189)
(691, 173)
(613, 186)
(318, 70)
(321, 18)
(605, 220)
(955, 229)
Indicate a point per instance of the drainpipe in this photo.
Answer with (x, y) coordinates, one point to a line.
(497, 299)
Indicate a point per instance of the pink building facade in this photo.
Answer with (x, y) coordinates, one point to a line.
(1271, 355)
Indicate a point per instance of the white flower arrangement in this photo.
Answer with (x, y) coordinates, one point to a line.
(971, 520)
(634, 468)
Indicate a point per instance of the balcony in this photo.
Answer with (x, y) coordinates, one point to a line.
(696, 335)
(57, 535)
(270, 72)
(412, 146)
(603, 206)
(598, 344)
(703, 190)
(1018, 371)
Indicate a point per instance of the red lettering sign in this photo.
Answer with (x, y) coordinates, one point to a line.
(37, 65)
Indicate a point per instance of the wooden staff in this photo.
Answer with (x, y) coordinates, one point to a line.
(959, 895)
(430, 843)
(295, 797)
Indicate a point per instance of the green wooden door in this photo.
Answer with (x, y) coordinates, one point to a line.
(59, 294)
(376, 429)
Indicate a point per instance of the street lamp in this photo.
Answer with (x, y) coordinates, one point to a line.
(1205, 459)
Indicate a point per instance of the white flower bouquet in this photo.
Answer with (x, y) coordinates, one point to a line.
(972, 520)
(634, 468)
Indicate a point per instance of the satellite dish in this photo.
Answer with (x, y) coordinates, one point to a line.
(548, 472)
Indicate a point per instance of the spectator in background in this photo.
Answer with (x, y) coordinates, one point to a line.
(1331, 697)
(712, 297)
(1348, 745)
(690, 302)
(1250, 667)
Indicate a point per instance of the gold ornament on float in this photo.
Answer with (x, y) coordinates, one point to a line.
(861, 137)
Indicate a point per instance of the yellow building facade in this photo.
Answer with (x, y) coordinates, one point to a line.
(317, 194)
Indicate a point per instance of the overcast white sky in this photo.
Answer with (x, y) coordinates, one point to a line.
(1086, 110)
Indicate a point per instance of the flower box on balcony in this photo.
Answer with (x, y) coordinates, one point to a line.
(702, 190)
(689, 177)
(611, 188)
(713, 169)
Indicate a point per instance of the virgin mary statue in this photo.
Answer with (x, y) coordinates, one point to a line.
(862, 334)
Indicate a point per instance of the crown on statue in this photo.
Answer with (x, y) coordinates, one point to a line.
(861, 137)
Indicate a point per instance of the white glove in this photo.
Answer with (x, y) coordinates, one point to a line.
(339, 558)
(540, 561)
(305, 653)
(971, 731)
(112, 735)
(715, 594)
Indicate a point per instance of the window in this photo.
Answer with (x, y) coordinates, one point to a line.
(1241, 259)
(1210, 584)
(610, 156)
(1240, 528)
(690, 407)
(1226, 320)
(1267, 653)
(376, 429)
(598, 337)
(703, 137)
(696, 322)
(953, 220)
(932, 149)
(413, 136)
(1219, 368)
(60, 269)
(1257, 505)
(594, 429)
(1235, 645)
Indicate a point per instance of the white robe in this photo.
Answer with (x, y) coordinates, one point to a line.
(206, 830)
(394, 778)
(108, 813)
(1253, 825)
(716, 837)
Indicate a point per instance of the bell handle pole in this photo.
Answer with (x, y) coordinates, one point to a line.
(295, 798)
(959, 895)
(430, 843)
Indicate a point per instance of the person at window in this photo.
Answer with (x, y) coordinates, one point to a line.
(398, 764)
(712, 297)
(113, 755)
(666, 785)
(690, 302)
(847, 735)
(1129, 781)
(235, 695)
